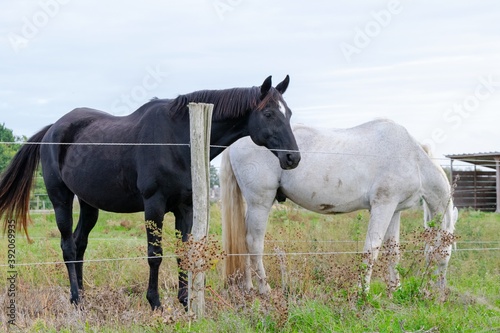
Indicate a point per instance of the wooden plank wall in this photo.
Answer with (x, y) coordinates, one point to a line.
(475, 189)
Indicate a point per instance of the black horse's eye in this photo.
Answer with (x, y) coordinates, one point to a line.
(268, 114)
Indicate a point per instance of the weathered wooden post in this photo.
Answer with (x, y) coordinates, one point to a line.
(497, 168)
(200, 117)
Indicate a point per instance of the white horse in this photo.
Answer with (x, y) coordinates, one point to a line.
(376, 166)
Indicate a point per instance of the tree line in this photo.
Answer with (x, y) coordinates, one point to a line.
(9, 145)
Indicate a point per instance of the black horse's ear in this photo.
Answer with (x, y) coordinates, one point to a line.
(281, 87)
(265, 87)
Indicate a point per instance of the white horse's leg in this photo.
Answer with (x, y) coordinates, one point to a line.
(380, 218)
(391, 240)
(256, 220)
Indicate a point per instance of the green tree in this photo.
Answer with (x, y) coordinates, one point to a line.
(214, 176)
(9, 149)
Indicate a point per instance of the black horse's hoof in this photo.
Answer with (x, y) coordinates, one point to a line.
(77, 304)
(182, 296)
(158, 308)
(156, 305)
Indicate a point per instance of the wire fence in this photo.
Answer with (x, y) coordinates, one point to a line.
(266, 254)
(45, 204)
(173, 255)
(271, 240)
(224, 147)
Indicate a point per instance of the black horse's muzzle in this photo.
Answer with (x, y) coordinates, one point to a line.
(289, 159)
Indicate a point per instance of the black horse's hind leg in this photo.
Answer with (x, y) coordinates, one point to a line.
(153, 213)
(87, 221)
(183, 224)
(62, 200)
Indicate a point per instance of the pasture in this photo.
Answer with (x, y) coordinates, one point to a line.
(313, 268)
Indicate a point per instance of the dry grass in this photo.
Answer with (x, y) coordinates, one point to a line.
(303, 285)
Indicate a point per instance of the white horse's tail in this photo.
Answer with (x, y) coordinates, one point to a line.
(233, 219)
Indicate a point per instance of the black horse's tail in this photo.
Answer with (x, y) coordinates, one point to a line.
(16, 181)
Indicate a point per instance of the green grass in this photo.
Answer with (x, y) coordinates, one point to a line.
(317, 294)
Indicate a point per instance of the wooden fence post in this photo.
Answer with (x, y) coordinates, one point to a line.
(200, 117)
(497, 168)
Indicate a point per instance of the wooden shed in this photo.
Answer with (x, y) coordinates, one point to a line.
(479, 187)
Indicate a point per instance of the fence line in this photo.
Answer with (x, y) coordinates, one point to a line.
(172, 255)
(188, 145)
(264, 254)
(97, 143)
(332, 241)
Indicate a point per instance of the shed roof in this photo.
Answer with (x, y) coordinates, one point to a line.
(483, 159)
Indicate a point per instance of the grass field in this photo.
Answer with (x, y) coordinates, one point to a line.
(314, 286)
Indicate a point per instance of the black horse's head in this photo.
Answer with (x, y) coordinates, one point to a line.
(269, 124)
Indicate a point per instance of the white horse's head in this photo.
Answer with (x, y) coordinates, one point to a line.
(440, 239)
(452, 216)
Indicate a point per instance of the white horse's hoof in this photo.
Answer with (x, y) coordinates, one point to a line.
(265, 290)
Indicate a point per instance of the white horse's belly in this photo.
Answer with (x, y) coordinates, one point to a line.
(323, 194)
(332, 207)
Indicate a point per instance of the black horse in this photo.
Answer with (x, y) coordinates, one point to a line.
(139, 162)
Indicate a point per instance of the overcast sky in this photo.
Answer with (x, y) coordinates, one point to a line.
(432, 66)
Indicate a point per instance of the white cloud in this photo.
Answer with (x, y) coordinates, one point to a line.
(90, 53)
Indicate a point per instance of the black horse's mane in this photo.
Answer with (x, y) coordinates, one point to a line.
(228, 103)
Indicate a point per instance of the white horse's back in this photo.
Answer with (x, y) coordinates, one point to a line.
(342, 170)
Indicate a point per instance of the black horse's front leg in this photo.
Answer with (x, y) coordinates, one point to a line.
(155, 253)
(183, 224)
(182, 294)
(153, 213)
